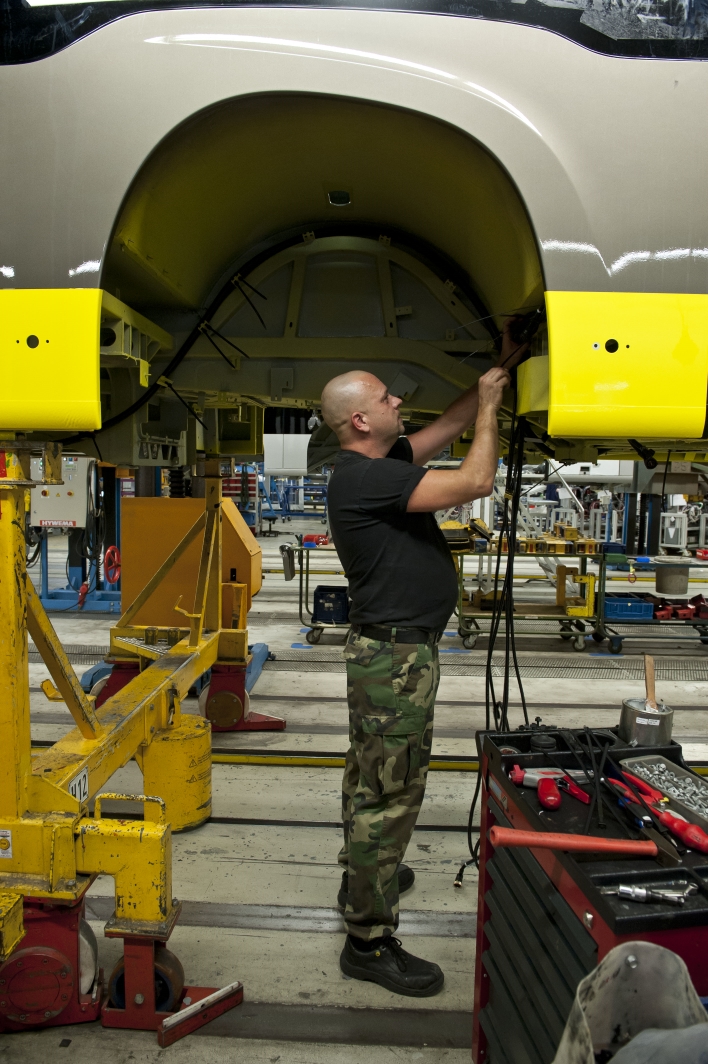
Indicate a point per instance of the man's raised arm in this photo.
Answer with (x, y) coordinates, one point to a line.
(442, 488)
(461, 413)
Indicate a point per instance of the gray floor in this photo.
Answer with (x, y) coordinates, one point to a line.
(259, 898)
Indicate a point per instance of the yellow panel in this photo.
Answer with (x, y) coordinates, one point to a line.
(532, 385)
(150, 531)
(49, 358)
(653, 384)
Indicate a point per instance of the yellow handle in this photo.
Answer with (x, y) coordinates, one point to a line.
(130, 798)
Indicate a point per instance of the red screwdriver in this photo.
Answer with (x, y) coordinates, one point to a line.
(690, 834)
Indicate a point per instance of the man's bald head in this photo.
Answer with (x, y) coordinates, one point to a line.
(345, 395)
(357, 406)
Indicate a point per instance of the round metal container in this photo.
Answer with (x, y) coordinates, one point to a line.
(645, 727)
(177, 766)
(671, 579)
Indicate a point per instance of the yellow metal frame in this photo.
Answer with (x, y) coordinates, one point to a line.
(50, 847)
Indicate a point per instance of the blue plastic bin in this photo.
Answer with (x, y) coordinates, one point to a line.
(330, 605)
(627, 607)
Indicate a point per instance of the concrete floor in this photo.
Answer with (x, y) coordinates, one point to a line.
(259, 899)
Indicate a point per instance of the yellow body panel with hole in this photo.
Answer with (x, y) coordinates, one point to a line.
(49, 358)
(627, 364)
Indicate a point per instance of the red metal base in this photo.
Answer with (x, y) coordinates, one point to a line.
(123, 672)
(40, 980)
(140, 1013)
(231, 680)
(256, 722)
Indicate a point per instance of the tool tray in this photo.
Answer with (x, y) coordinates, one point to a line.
(518, 806)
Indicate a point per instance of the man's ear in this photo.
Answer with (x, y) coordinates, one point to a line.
(360, 422)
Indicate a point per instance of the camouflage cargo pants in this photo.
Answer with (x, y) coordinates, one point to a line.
(391, 690)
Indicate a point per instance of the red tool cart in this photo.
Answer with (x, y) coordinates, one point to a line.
(546, 917)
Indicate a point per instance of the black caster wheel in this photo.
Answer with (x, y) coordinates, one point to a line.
(566, 632)
(314, 635)
(615, 646)
(169, 982)
(598, 637)
(469, 642)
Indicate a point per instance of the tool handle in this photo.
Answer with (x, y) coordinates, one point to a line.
(549, 796)
(552, 840)
(650, 680)
(691, 835)
(651, 794)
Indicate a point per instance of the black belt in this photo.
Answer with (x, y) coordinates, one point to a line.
(397, 635)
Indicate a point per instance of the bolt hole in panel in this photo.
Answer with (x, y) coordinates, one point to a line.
(60, 327)
(627, 364)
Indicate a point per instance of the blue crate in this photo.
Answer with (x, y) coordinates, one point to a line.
(627, 607)
(330, 605)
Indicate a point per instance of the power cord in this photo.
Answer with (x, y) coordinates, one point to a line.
(502, 606)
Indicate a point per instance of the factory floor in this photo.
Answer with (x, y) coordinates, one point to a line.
(259, 881)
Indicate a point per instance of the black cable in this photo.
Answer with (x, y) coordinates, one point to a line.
(184, 402)
(213, 343)
(252, 305)
(243, 280)
(502, 606)
(663, 483)
(226, 340)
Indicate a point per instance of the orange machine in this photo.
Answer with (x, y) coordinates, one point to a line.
(150, 531)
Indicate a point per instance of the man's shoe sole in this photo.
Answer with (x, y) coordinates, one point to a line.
(371, 977)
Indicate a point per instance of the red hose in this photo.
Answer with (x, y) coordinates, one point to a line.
(552, 840)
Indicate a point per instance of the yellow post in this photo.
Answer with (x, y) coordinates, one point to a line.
(14, 670)
(212, 612)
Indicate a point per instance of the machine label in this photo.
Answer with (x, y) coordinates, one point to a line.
(44, 523)
(78, 787)
(5, 843)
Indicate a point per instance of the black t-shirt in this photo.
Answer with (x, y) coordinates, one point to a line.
(399, 566)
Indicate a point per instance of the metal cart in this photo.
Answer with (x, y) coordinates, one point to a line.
(611, 630)
(575, 628)
(570, 627)
(292, 552)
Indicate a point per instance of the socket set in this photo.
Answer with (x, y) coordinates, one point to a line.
(688, 793)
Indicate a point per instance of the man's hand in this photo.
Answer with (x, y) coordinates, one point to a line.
(491, 387)
(511, 352)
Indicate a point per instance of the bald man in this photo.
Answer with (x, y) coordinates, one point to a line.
(403, 590)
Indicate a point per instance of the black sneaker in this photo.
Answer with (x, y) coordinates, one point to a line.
(406, 879)
(392, 967)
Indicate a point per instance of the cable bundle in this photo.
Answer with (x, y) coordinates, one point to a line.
(503, 605)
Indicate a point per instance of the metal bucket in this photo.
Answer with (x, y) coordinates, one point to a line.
(645, 727)
(671, 579)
